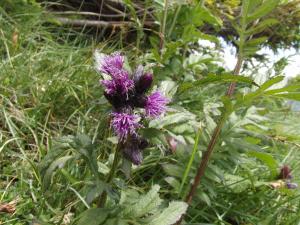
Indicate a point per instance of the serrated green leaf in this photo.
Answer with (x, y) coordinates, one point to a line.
(171, 119)
(173, 170)
(270, 83)
(236, 183)
(284, 89)
(261, 26)
(95, 191)
(214, 79)
(262, 10)
(255, 42)
(291, 96)
(171, 214)
(145, 204)
(94, 216)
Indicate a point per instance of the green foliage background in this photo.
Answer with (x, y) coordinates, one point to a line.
(56, 145)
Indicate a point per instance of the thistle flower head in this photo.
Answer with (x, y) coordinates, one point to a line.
(124, 124)
(126, 94)
(121, 84)
(112, 64)
(156, 104)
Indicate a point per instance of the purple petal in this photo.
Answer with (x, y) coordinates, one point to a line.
(291, 185)
(112, 64)
(121, 85)
(109, 86)
(125, 124)
(156, 104)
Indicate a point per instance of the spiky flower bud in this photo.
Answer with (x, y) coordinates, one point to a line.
(143, 84)
(133, 149)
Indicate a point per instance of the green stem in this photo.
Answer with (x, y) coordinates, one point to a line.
(110, 176)
(163, 25)
(191, 160)
(174, 20)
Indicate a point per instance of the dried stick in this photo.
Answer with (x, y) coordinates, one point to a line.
(88, 14)
(97, 23)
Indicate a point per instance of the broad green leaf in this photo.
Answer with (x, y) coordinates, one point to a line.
(171, 214)
(173, 170)
(171, 119)
(267, 159)
(116, 221)
(95, 191)
(145, 204)
(168, 88)
(236, 183)
(94, 216)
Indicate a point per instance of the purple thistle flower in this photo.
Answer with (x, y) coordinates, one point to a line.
(125, 124)
(121, 84)
(112, 64)
(109, 85)
(156, 104)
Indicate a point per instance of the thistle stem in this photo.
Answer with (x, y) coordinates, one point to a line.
(110, 176)
(204, 161)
